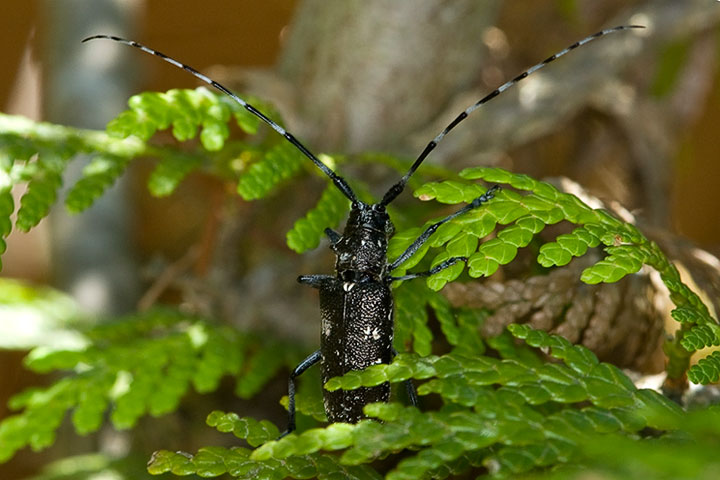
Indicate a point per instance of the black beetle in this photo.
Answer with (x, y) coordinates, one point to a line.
(356, 303)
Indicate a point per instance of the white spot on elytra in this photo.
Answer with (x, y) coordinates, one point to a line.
(347, 286)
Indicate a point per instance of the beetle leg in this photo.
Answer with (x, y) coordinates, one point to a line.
(411, 393)
(311, 360)
(409, 387)
(333, 236)
(420, 241)
(315, 281)
(432, 271)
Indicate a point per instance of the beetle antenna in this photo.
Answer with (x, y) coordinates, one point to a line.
(397, 189)
(339, 182)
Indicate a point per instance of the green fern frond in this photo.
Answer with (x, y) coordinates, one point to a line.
(581, 379)
(402, 240)
(127, 138)
(411, 330)
(142, 365)
(566, 247)
(511, 411)
(627, 250)
(256, 433)
(308, 399)
(701, 336)
(237, 462)
(185, 111)
(95, 466)
(263, 365)
(688, 453)
(279, 163)
(42, 190)
(7, 206)
(98, 176)
(170, 171)
(506, 414)
(528, 215)
(54, 146)
(452, 440)
(413, 300)
(707, 370)
(458, 466)
(328, 213)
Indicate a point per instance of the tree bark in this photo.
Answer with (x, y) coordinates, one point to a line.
(93, 255)
(367, 73)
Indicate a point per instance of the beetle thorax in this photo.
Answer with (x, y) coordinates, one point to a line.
(362, 250)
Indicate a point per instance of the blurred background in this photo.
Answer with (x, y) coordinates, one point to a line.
(633, 118)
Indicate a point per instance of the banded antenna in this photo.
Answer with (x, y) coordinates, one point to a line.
(397, 189)
(340, 182)
(337, 179)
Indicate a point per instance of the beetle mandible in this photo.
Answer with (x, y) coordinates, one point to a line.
(356, 303)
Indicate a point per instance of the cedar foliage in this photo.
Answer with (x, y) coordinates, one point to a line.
(541, 406)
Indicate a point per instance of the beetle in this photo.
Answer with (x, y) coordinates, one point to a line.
(356, 303)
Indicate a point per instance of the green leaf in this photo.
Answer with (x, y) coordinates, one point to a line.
(701, 336)
(239, 463)
(280, 163)
(707, 370)
(98, 176)
(42, 191)
(449, 191)
(411, 330)
(329, 211)
(170, 171)
(439, 279)
(214, 127)
(7, 206)
(463, 245)
(256, 433)
(261, 367)
(605, 271)
(141, 365)
(489, 256)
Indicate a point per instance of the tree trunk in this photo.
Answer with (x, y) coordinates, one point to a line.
(93, 256)
(368, 73)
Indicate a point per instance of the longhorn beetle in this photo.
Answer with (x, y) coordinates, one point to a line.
(356, 303)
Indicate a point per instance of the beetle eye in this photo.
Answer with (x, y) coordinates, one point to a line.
(349, 276)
